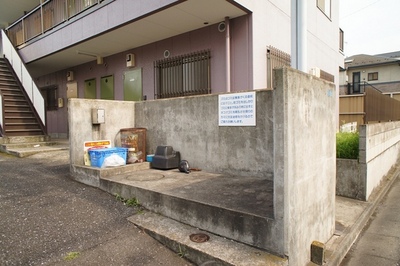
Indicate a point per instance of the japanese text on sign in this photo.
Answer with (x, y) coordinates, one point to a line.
(237, 109)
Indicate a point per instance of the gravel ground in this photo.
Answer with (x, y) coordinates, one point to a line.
(45, 216)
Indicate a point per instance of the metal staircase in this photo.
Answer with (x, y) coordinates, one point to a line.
(19, 115)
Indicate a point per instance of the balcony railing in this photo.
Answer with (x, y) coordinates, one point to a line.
(44, 17)
(275, 59)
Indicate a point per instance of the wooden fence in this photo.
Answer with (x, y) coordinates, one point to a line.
(370, 107)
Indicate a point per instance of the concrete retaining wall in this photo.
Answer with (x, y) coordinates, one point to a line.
(118, 114)
(293, 144)
(350, 181)
(304, 162)
(190, 125)
(379, 150)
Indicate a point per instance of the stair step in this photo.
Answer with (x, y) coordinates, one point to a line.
(12, 94)
(14, 99)
(22, 124)
(9, 87)
(23, 130)
(16, 107)
(215, 251)
(27, 149)
(22, 117)
(18, 104)
(26, 139)
(6, 76)
(16, 111)
(29, 145)
(197, 200)
(23, 133)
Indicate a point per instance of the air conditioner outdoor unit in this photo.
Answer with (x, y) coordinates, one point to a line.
(315, 71)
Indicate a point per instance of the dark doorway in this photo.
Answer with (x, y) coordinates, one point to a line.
(356, 82)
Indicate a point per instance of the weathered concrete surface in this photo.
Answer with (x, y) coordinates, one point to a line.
(216, 251)
(234, 207)
(304, 163)
(190, 125)
(118, 115)
(350, 179)
(379, 243)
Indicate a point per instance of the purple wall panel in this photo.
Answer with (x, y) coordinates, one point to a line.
(205, 38)
(241, 71)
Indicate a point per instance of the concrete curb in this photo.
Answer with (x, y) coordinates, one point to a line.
(340, 246)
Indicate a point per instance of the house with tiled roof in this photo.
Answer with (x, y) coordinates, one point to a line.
(381, 71)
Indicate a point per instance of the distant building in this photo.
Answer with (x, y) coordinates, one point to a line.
(380, 71)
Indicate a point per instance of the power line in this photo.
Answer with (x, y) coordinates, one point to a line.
(359, 10)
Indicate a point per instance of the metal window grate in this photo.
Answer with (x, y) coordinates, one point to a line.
(275, 59)
(183, 75)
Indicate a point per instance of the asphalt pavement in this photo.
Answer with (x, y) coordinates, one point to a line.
(48, 219)
(379, 242)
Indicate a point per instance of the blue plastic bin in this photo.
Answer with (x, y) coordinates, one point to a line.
(97, 156)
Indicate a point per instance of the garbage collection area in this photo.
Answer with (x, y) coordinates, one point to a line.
(277, 165)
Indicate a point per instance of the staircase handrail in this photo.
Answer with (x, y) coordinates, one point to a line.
(25, 78)
(372, 86)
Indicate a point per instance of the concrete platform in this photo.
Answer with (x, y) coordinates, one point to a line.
(226, 208)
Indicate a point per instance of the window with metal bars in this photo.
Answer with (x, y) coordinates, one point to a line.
(49, 94)
(183, 75)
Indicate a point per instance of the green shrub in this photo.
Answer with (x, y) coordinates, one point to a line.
(347, 145)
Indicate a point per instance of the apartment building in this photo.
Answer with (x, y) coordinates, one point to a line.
(150, 49)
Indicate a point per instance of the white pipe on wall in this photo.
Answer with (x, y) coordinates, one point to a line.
(299, 35)
(228, 54)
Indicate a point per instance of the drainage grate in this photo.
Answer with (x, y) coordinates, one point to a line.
(199, 238)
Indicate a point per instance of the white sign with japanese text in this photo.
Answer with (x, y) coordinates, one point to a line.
(237, 109)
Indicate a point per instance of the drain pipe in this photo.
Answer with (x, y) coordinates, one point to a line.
(299, 35)
(228, 54)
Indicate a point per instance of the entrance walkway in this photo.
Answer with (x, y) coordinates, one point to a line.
(379, 243)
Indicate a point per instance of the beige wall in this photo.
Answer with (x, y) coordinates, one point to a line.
(386, 73)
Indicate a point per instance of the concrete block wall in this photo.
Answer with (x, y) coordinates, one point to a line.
(379, 150)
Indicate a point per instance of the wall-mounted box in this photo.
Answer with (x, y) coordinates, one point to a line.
(98, 116)
(60, 102)
(130, 60)
(70, 75)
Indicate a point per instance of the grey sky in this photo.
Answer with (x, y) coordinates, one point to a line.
(370, 26)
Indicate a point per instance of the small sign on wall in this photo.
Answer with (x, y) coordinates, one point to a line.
(237, 109)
